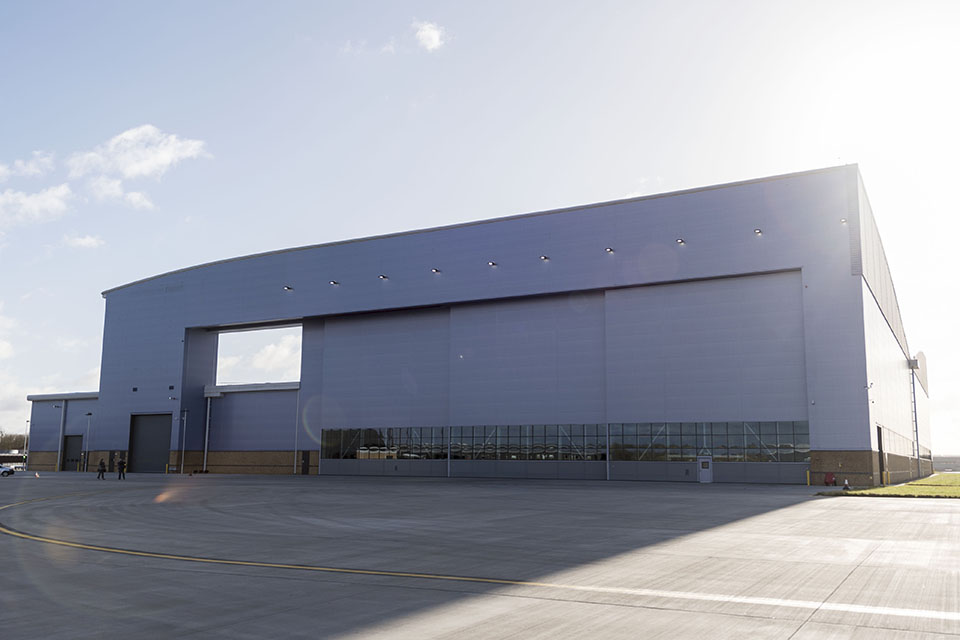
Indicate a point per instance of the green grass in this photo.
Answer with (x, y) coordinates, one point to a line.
(943, 485)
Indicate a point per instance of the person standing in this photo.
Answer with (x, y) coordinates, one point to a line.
(101, 469)
(121, 467)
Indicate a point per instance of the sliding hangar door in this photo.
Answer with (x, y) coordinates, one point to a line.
(650, 377)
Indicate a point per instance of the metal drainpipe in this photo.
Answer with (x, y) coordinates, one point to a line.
(63, 427)
(183, 438)
(296, 433)
(206, 436)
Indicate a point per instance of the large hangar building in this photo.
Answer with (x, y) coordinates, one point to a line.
(746, 332)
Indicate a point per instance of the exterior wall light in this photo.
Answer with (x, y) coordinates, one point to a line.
(491, 263)
(334, 283)
(434, 270)
(680, 241)
(758, 231)
(609, 249)
(544, 257)
(287, 287)
(843, 221)
(382, 277)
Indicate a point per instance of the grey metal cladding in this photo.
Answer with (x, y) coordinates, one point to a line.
(527, 361)
(384, 369)
(259, 421)
(532, 331)
(876, 270)
(730, 349)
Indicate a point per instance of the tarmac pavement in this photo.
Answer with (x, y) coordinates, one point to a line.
(359, 557)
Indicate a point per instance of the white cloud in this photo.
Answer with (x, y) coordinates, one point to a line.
(6, 350)
(390, 47)
(143, 151)
(430, 35)
(18, 207)
(40, 163)
(280, 357)
(83, 242)
(138, 200)
(104, 188)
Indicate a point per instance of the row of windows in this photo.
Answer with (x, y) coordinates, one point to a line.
(671, 441)
(900, 445)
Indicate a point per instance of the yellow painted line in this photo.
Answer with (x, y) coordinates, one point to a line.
(814, 605)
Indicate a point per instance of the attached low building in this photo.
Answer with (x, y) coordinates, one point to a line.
(746, 332)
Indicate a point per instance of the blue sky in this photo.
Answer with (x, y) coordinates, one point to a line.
(136, 138)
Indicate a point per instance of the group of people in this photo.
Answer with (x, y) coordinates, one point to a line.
(121, 468)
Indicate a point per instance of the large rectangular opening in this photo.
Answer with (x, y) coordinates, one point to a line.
(254, 356)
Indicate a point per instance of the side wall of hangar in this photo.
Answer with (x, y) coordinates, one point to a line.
(742, 302)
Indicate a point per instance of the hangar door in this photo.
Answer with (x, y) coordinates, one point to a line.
(149, 443)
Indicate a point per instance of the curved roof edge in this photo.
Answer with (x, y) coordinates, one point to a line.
(605, 203)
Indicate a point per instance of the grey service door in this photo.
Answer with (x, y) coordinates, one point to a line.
(72, 453)
(149, 443)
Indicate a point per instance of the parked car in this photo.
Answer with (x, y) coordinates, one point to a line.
(5, 470)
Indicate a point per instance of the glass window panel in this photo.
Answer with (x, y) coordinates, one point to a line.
(330, 443)
(718, 428)
(785, 428)
(768, 427)
(689, 428)
(643, 429)
(644, 449)
(735, 454)
(673, 433)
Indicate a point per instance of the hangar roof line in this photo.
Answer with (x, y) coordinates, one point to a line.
(594, 205)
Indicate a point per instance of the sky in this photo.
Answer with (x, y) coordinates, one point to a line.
(138, 138)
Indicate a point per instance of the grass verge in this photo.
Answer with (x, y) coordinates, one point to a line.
(942, 485)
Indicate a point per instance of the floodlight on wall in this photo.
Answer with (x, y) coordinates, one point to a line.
(608, 249)
(758, 231)
(544, 258)
(382, 277)
(680, 241)
(287, 287)
(491, 263)
(434, 270)
(843, 221)
(334, 283)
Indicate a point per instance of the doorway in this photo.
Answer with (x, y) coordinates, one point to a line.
(72, 453)
(149, 443)
(705, 468)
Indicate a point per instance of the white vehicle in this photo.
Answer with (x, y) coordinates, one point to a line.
(5, 470)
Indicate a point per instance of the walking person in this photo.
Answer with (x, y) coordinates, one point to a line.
(121, 467)
(101, 469)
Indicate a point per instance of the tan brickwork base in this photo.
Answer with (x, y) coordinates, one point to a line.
(42, 461)
(862, 468)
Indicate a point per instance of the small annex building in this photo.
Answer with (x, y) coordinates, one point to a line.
(746, 332)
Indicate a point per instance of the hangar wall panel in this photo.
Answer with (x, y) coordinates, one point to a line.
(537, 360)
(254, 421)
(714, 350)
(890, 401)
(385, 369)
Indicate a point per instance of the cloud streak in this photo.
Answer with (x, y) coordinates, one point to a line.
(141, 152)
(18, 208)
(83, 242)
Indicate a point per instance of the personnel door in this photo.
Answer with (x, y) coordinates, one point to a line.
(705, 468)
(72, 453)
